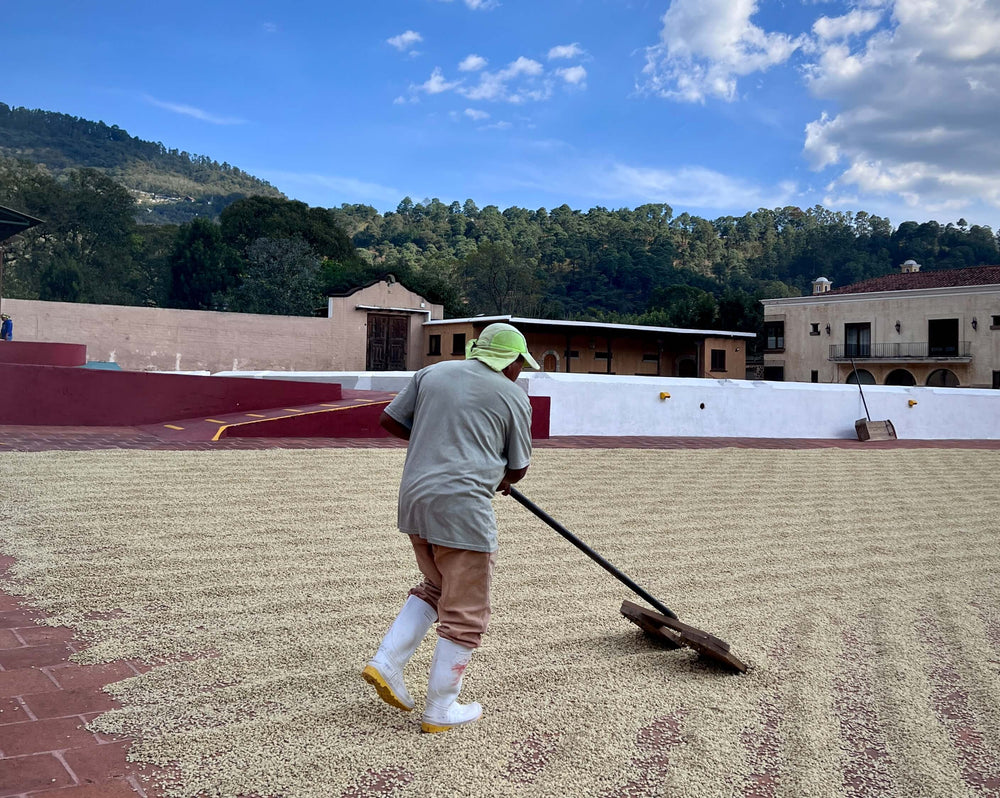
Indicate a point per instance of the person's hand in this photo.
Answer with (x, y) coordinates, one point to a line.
(504, 487)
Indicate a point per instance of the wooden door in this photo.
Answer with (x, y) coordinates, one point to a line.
(387, 339)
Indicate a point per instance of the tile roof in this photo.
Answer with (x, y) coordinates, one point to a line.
(946, 278)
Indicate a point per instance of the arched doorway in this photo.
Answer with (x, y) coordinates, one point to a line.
(900, 377)
(942, 378)
(687, 368)
(550, 361)
(862, 376)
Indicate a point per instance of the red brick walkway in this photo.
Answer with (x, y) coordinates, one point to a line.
(41, 439)
(45, 700)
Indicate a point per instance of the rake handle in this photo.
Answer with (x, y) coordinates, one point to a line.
(548, 519)
(858, 380)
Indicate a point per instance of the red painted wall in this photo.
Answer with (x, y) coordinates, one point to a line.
(541, 406)
(356, 422)
(353, 422)
(42, 354)
(55, 396)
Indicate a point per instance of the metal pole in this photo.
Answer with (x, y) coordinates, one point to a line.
(1, 277)
(857, 379)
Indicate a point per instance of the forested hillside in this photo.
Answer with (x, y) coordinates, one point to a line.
(646, 265)
(169, 185)
(267, 254)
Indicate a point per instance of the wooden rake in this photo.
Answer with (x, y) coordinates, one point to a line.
(662, 626)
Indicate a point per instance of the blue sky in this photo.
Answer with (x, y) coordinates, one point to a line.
(714, 107)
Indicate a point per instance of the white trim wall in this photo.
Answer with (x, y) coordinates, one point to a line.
(598, 405)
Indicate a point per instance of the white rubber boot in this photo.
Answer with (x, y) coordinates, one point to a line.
(384, 671)
(443, 712)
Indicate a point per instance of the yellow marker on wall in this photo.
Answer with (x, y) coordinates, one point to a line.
(664, 395)
(912, 402)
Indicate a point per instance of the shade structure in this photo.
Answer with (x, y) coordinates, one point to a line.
(13, 222)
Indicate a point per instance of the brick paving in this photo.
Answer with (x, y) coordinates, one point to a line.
(42, 439)
(46, 700)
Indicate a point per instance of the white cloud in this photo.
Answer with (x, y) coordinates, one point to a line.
(522, 80)
(342, 189)
(522, 66)
(472, 63)
(576, 75)
(916, 102)
(478, 5)
(436, 84)
(690, 186)
(270, 27)
(854, 23)
(476, 115)
(566, 51)
(705, 45)
(196, 113)
(405, 40)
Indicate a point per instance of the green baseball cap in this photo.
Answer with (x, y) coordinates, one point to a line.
(498, 346)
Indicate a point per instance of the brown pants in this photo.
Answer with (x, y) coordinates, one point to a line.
(457, 585)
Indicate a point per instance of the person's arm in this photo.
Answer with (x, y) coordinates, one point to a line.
(393, 427)
(510, 478)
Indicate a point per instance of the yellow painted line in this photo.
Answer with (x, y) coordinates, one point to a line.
(324, 404)
(256, 415)
(171, 426)
(215, 421)
(293, 410)
(298, 414)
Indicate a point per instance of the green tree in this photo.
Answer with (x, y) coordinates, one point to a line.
(282, 277)
(203, 268)
(686, 306)
(498, 281)
(60, 281)
(249, 219)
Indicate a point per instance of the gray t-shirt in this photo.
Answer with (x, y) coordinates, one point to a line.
(468, 425)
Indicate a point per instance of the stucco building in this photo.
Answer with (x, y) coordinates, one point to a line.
(591, 348)
(383, 326)
(939, 328)
(376, 327)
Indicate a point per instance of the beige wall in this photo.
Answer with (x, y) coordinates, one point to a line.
(190, 340)
(736, 358)
(351, 322)
(805, 352)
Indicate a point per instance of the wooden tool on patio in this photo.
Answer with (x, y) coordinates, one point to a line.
(662, 626)
(866, 429)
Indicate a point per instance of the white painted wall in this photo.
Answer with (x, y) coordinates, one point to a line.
(594, 404)
(348, 380)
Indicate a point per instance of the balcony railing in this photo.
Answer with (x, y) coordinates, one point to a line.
(901, 351)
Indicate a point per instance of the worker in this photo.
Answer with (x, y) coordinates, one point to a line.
(6, 328)
(469, 430)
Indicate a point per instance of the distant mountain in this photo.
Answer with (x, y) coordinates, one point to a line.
(169, 186)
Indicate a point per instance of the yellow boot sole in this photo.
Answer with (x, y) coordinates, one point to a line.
(430, 728)
(437, 728)
(374, 678)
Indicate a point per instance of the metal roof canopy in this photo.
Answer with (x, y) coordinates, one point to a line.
(13, 222)
(604, 327)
